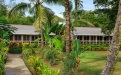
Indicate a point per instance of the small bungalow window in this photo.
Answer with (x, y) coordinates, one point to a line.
(79, 37)
(86, 37)
(99, 37)
(34, 37)
(26, 37)
(17, 37)
(11, 37)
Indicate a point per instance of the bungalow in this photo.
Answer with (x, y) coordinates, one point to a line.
(91, 35)
(26, 33)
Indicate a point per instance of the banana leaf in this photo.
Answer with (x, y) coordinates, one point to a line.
(76, 46)
(57, 43)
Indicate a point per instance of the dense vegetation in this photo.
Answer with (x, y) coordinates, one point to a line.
(54, 50)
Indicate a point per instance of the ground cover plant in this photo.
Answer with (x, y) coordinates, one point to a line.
(91, 62)
(35, 63)
(95, 47)
(3, 55)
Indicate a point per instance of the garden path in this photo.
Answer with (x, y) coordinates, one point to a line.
(15, 65)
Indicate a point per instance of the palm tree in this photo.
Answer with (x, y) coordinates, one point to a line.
(68, 27)
(68, 24)
(114, 47)
(42, 14)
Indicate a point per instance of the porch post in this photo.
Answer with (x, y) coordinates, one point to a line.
(96, 39)
(103, 39)
(89, 39)
(82, 39)
(30, 39)
(13, 37)
(22, 38)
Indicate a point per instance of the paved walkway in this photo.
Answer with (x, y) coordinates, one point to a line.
(15, 65)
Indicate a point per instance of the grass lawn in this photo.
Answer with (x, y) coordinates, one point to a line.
(92, 62)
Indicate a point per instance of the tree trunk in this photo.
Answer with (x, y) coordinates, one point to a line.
(42, 39)
(114, 47)
(68, 25)
(41, 30)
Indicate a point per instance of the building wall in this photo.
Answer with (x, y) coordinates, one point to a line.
(24, 38)
(83, 38)
(94, 39)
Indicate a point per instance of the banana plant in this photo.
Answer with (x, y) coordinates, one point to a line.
(76, 46)
(57, 43)
(58, 30)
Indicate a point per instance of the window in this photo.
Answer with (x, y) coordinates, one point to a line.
(99, 37)
(93, 37)
(34, 37)
(11, 37)
(110, 37)
(106, 38)
(18, 37)
(86, 37)
(79, 37)
(26, 37)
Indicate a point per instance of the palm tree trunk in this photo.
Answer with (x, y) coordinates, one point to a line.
(68, 25)
(41, 31)
(42, 39)
(114, 47)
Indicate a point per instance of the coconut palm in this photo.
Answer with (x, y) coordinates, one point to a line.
(42, 14)
(68, 24)
(114, 47)
(68, 27)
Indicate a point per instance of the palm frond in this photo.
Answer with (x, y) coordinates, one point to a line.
(18, 8)
(58, 2)
(87, 22)
(39, 21)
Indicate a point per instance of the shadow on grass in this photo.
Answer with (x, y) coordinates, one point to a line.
(92, 63)
(90, 70)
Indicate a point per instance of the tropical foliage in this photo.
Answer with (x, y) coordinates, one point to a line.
(15, 47)
(3, 55)
(58, 36)
(110, 9)
(6, 30)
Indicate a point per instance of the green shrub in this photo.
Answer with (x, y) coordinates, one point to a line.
(33, 45)
(39, 67)
(51, 56)
(25, 45)
(1, 67)
(3, 55)
(26, 52)
(95, 47)
(15, 49)
(43, 50)
(69, 64)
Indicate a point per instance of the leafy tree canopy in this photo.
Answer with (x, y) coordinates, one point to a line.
(110, 9)
(6, 30)
(3, 10)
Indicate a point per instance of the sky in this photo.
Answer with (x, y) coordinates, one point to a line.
(87, 5)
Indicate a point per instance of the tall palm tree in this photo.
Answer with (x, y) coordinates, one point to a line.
(68, 24)
(41, 14)
(68, 27)
(114, 47)
(40, 20)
